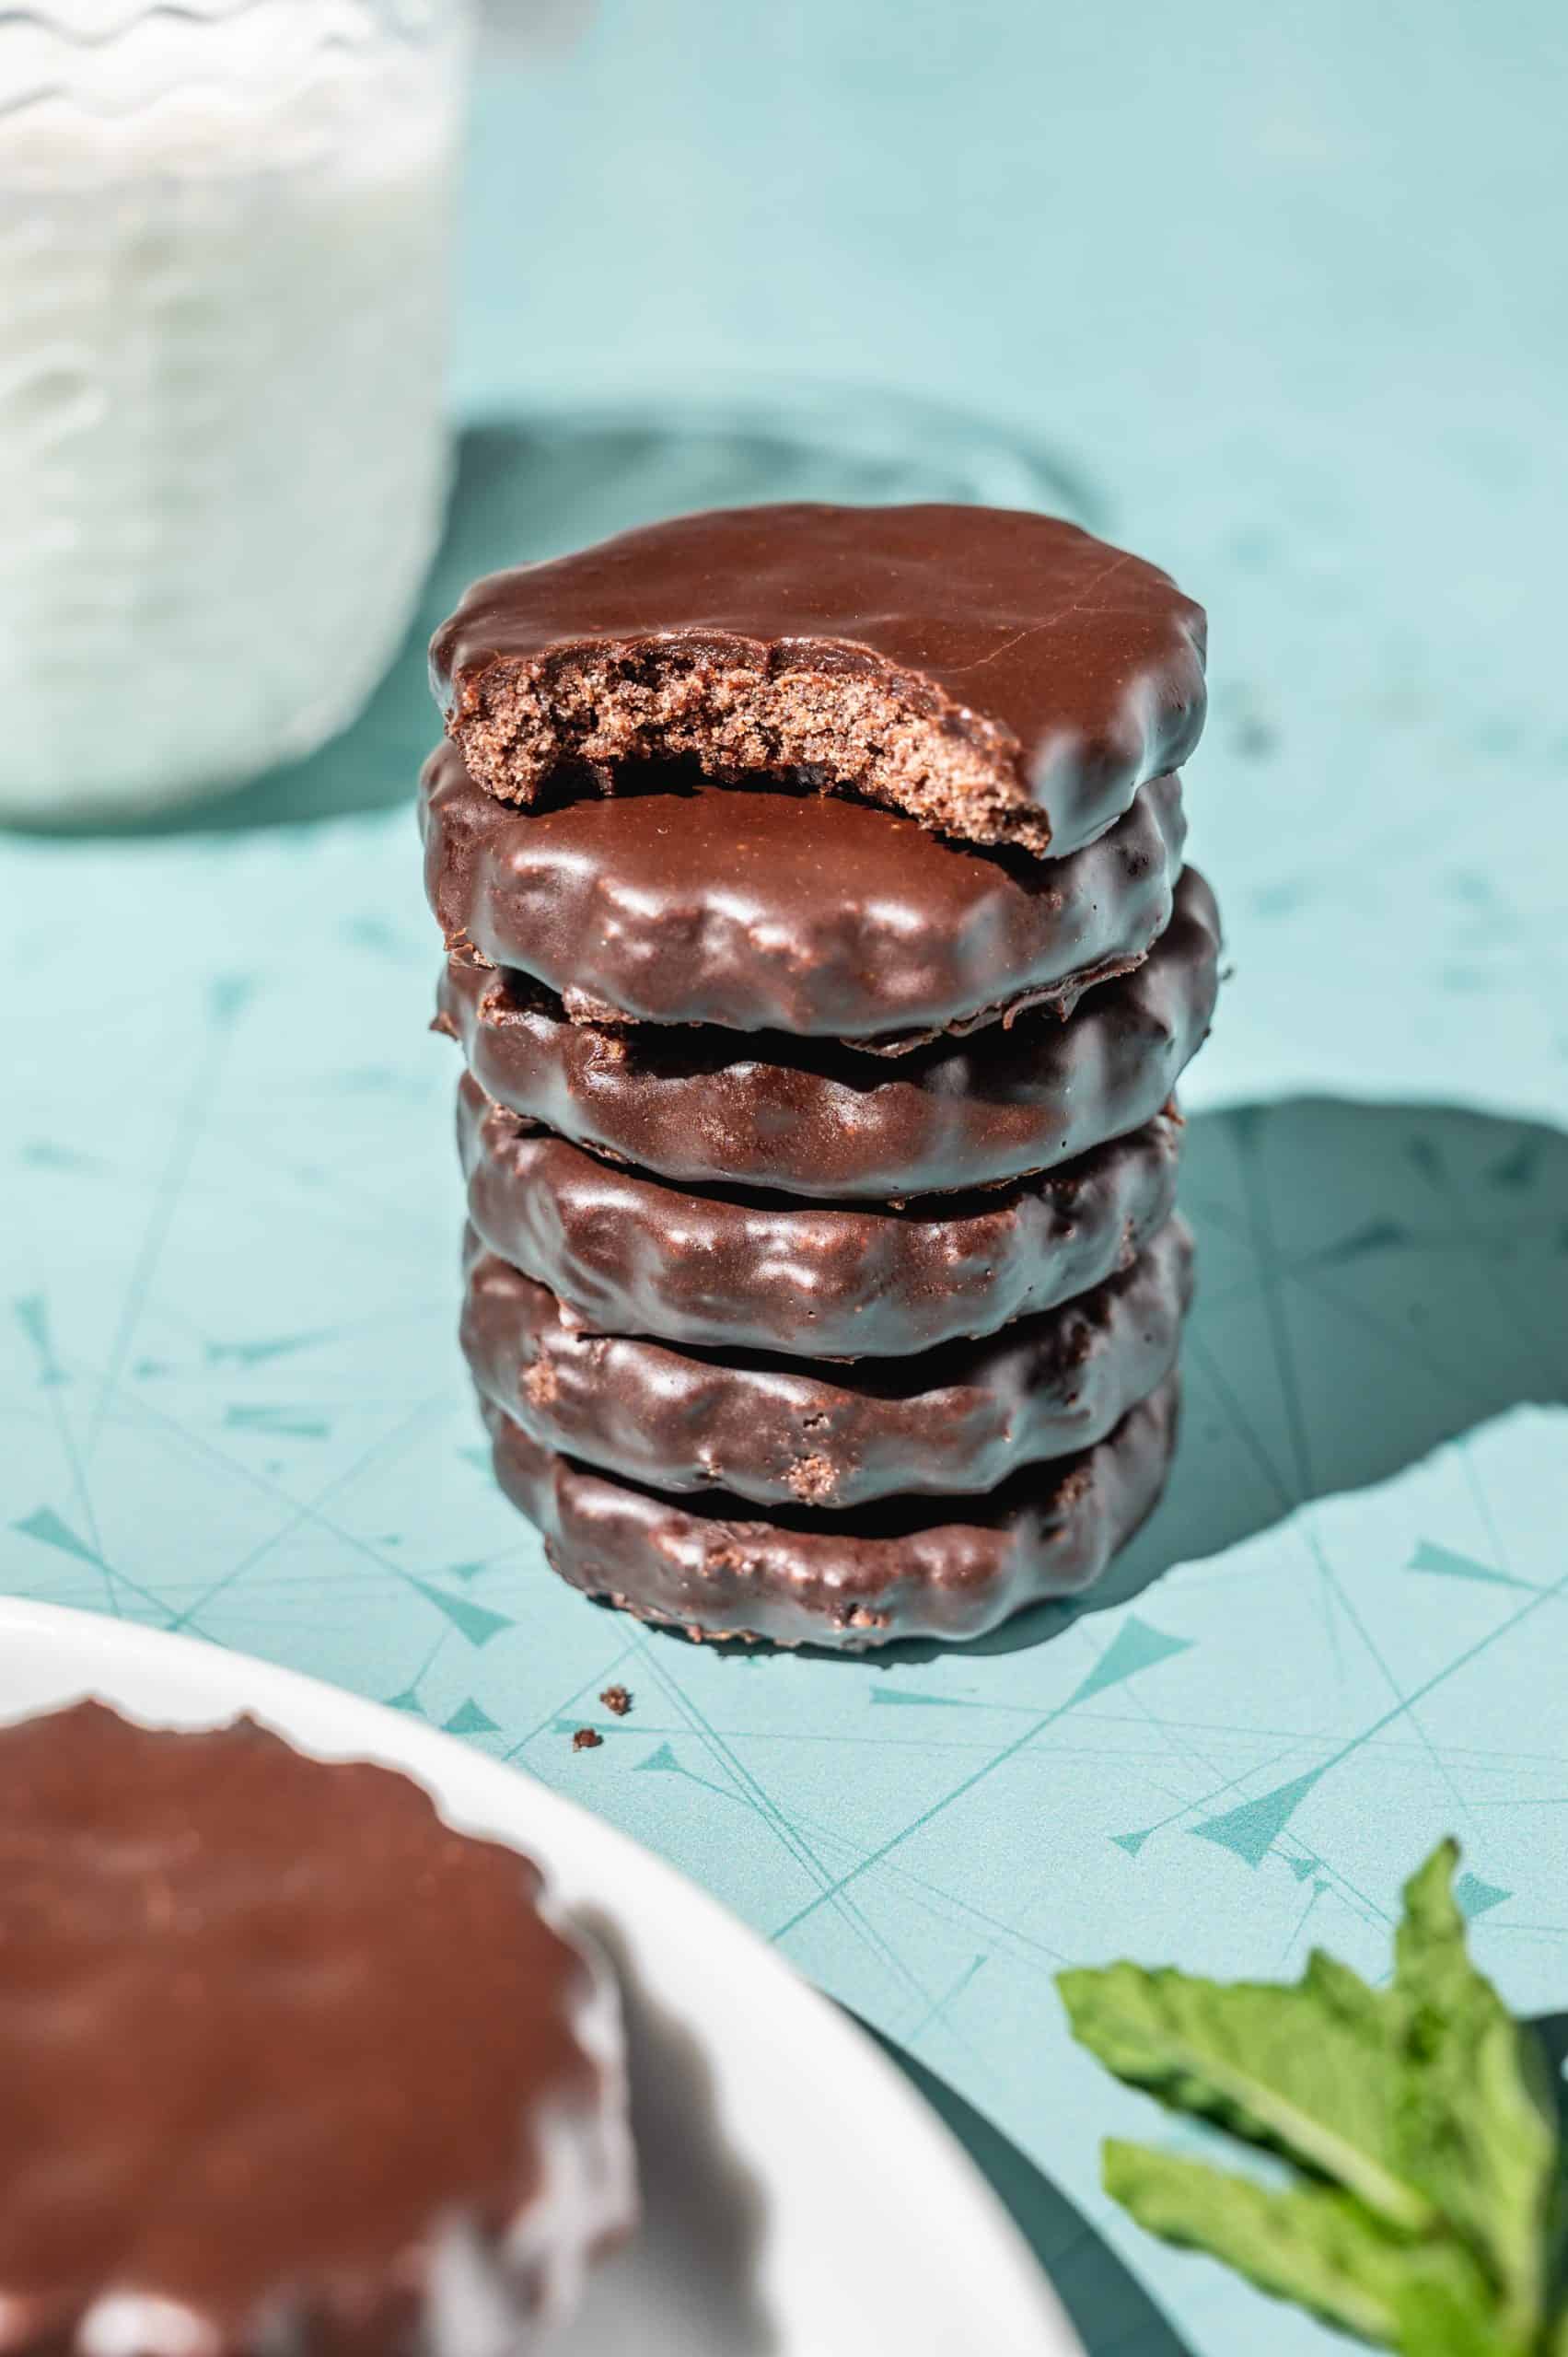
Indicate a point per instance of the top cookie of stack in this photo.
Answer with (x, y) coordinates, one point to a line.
(845, 646)
(776, 848)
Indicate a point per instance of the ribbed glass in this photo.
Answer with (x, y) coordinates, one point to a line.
(223, 234)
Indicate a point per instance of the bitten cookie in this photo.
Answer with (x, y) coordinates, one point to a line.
(1002, 677)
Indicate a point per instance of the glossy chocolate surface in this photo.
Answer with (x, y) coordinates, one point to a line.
(957, 1421)
(809, 913)
(1002, 675)
(914, 1568)
(822, 1120)
(267, 2027)
(634, 1255)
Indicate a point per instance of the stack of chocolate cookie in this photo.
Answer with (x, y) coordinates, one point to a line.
(823, 957)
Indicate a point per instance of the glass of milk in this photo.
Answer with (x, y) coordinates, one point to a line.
(224, 235)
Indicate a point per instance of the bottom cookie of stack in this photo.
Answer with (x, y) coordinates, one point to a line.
(947, 1568)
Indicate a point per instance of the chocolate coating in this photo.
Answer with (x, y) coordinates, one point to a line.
(747, 1270)
(824, 1121)
(953, 1422)
(1001, 676)
(798, 912)
(947, 1569)
(272, 2039)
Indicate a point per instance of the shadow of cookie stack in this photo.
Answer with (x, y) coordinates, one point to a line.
(824, 961)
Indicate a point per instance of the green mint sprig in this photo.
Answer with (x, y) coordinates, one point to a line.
(1424, 2211)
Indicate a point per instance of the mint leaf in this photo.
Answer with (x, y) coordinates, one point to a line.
(1429, 2211)
(1310, 2072)
(1437, 2320)
(1475, 2117)
(1312, 2245)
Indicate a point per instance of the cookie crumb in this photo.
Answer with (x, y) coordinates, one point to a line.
(616, 1699)
(586, 1739)
(813, 1480)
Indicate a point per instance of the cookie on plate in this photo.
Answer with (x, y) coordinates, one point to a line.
(287, 2062)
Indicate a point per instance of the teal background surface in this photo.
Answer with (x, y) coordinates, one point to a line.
(1280, 302)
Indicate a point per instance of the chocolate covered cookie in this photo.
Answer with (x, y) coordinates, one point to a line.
(285, 2062)
(829, 918)
(914, 1568)
(1002, 677)
(954, 1421)
(634, 1255)
(822, 1120)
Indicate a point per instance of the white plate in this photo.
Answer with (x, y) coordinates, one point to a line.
(801, 2201)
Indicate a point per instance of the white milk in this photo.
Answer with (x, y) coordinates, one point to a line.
(224, 238)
